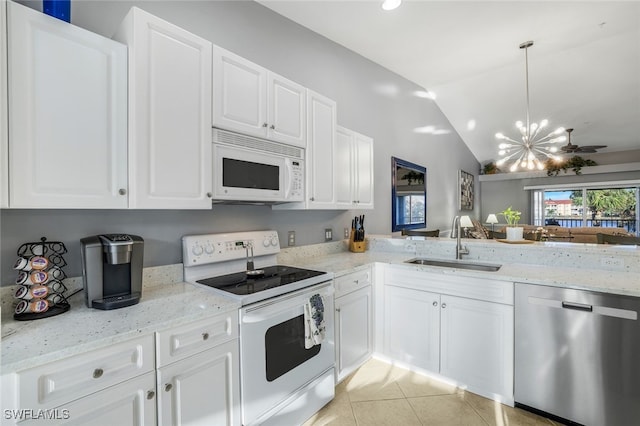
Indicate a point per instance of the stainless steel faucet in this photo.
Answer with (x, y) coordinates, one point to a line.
(456, 233)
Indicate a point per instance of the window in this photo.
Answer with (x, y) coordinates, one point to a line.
(605, 205)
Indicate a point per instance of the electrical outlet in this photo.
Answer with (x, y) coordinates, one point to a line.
(328, 234)
(346, 232)
(292, 238)
(612, 262)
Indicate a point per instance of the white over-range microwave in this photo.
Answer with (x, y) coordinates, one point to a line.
(255, 170)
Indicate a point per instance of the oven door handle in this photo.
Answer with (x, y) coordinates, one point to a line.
(279, 304)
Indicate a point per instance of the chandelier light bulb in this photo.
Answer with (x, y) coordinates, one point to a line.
(544, 123)
(390, 4)
(500, 136)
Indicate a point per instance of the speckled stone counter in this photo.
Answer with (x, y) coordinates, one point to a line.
(610, 269)
(166, 302)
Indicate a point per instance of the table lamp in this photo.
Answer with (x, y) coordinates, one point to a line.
(492, 219)
(465, 222)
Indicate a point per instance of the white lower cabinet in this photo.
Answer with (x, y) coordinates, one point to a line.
(132, 403)
(353, 321)
(199, 373)
(202, 389)
(458, 327)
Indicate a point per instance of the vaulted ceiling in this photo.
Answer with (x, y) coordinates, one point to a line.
(584, 67)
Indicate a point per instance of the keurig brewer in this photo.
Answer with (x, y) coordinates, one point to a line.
(112, 270)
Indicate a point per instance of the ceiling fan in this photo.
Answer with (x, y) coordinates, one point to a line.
(570, 148)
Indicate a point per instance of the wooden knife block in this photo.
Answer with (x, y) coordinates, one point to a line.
(356, 246)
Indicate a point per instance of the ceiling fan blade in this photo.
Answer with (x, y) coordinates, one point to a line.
(585, 150)
(593, 146)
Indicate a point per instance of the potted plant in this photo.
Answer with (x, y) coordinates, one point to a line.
(514, 232)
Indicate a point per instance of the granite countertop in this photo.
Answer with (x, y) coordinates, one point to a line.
(29, 343)
(615, 282)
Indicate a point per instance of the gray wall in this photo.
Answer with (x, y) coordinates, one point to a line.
(371, 100)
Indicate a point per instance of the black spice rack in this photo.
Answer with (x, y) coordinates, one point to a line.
(40, 291)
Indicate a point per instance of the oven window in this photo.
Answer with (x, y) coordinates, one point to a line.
(284, 347)
(245, 174)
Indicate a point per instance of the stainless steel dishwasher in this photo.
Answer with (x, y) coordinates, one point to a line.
(577, 355)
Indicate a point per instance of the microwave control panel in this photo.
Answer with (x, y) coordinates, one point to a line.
(297, 181)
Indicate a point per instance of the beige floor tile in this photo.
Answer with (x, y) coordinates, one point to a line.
(445, 410)
(392, 412)
(415, 385)
(498, 414)
(371, 382)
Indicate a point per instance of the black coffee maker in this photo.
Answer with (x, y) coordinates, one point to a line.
(112, 270)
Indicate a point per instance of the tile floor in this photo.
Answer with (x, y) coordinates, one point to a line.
(381, 394)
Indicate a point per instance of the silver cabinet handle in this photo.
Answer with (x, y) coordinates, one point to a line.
(435, 303)
(577, 306)
(273, 127)
(150, 394)
(312, 199)
(264, 124)
(122, 191)
(444, 305)
(205, 336)
(337, 309)
(97, 373)
(209, 195)
(168, 387)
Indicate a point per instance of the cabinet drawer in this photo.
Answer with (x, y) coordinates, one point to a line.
(352, 281)
(487, 289)
(180, 342)
(63, 381)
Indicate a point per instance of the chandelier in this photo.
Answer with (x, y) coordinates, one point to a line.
(532, 149)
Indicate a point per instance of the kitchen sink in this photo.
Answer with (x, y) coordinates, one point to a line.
(457, 264)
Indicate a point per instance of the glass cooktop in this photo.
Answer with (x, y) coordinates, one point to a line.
(274, 276)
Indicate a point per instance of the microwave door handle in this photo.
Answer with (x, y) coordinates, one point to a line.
(287, 177)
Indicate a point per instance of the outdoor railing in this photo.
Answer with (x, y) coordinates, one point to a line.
(628, 225)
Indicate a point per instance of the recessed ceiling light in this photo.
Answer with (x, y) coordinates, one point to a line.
(390, 4)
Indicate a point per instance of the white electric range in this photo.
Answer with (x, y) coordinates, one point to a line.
(282, 382)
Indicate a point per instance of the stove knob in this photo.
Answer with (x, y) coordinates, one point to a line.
(266, 242)
(274, 240)
(208, 249)
(197, 250)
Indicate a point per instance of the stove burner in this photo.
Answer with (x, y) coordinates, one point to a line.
(274, 276)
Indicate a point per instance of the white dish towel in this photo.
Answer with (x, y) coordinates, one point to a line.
(314, 327)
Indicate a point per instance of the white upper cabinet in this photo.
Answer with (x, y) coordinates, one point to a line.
(169, 114)
(321, 138)
(252, 100)
(354, 170)
(4, 150)
(67, 101)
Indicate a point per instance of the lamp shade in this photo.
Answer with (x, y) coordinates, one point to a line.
(492, 218)
(465, 222)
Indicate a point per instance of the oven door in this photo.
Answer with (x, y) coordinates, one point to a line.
(246, 175)
(273, 360)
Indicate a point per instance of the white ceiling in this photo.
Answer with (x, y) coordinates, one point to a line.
(584, 68)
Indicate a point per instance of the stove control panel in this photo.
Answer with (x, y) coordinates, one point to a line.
(212, 248)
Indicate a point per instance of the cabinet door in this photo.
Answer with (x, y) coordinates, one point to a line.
(239, 94)
(203, 389)
(4, 149)
(412, 327)
(344, 161)
(477, 344)
(321, 135)
(286, 111)
(132, 403)
(363, 192)
(170, 117)
(68, 122)
(354, 331)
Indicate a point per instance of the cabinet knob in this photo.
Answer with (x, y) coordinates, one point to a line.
(272, 127)
(97, 373)
(150, 394)
(435, 303)
(205, 336)
(168, 387)
(122, 191)
(444, 305)
(337, 309)
(209, 194)
(264, 124)
(312, 199)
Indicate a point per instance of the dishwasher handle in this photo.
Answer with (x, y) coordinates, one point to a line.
(577, 306)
